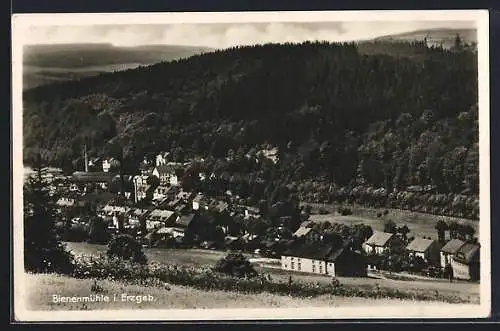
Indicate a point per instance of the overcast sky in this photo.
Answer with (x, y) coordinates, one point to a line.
(226, 34)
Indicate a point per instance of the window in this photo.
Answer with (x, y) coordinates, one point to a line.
(313, 268)
(298, 266)
(320, 269)
(292, 265)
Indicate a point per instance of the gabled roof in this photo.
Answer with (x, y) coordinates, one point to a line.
(310, 251)
(169, 230)
(166, 214)
(302, 232)
(468, 253)
(420, 245)
(379, 238)
(170, 168)
(305, 224)
(186, 220)
(453, 246)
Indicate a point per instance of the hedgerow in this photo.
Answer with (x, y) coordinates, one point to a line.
(205, 278)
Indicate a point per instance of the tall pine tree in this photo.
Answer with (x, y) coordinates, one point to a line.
(43, 252)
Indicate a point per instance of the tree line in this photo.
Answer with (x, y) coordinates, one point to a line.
(375, 129)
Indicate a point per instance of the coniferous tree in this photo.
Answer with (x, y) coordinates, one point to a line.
(43, 251)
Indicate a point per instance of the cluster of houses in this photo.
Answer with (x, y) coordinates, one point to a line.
(170, 212)
(463, 257)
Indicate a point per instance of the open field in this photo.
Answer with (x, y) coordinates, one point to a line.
(420, 224)
(40, 289)
(198, 257)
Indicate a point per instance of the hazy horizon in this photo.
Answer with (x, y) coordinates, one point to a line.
(224, 35)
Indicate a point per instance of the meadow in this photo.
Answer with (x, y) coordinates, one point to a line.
(41, 287)
(200, 258)
(420, 224)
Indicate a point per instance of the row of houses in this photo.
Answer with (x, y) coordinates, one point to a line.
(462, 256)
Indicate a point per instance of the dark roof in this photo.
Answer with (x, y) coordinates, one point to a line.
(468, 253)
(310, 251)
(379, 238)
(452, 246)
(186, 220)
(92, 177)
(419, 245)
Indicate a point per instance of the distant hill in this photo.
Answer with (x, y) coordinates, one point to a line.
(444, 37)
(415, 45)
(45, 64)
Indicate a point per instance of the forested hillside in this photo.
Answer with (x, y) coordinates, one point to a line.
(378, 129)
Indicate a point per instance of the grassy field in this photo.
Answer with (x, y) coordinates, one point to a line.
(199, 257)
(40, 289)
(420, 224)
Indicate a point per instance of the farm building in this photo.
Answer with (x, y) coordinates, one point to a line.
(465, 263)
(325, 259)
(307, 235)
(427, 249)
(160, 218)
(378, 243)
(449, 250)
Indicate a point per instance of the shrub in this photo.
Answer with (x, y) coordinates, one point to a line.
(98, 231)
(235, 264)
(323, 211)
(345, 211)
(126, 247)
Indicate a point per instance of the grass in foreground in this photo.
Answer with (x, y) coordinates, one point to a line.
(41, 287)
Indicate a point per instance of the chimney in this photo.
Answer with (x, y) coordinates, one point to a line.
(86, 158)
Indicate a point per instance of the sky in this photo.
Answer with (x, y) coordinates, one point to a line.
(223, 35)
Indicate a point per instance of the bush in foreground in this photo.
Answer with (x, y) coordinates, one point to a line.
(235, 264)
(126, 247)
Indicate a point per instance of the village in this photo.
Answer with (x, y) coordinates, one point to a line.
(152, 206)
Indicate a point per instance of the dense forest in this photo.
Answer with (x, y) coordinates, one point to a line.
(350, 126)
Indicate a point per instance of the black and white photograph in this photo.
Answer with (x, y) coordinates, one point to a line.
(251, 165)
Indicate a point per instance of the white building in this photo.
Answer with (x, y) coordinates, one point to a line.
(449, 250)
(378, 243)
(161, 159)
(325, 260)
(426, 249)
